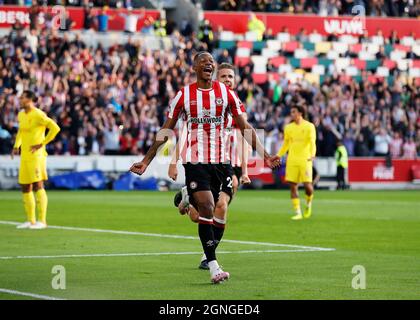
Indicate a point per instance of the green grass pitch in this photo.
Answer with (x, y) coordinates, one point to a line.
(379, 230)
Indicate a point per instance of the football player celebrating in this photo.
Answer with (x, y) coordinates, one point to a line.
(235, 172)
(205, 103)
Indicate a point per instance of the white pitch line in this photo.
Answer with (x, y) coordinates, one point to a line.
(159, 235)
(147, 254)
(28, 294)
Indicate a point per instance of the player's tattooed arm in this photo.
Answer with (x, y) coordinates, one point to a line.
(252, 139)
(160, 139)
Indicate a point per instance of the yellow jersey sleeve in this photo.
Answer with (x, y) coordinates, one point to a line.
(18, 141)
(53, 128)
(286, 142)
(312, 138)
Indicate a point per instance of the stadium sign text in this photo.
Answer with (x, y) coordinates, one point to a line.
(11, 17)
(380, 172)
(343, 26)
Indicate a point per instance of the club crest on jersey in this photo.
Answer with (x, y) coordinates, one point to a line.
(219, 101)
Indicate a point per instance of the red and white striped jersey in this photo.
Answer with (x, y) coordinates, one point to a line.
(205, 111)
(234, 142)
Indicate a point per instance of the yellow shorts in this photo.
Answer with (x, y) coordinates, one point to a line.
(299, 172)
(33, 170)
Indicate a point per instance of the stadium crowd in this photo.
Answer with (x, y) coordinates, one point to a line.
(113, 101)
(391, 8)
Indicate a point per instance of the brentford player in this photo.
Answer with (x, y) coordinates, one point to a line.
(235, 170)
(205, 104)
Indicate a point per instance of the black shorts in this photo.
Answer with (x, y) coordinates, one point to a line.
(203, 177)
(238, 172)
(227, 181)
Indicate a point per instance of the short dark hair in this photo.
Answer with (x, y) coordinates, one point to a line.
(30, 95)
(301, 108)
(226, 65)
(200, 53)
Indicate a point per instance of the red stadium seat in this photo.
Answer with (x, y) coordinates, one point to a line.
(278, 61)
(416, 63)
(390, 64)
(290, 46)
(308, 63)
(401, 47)
(375, 79)
(242, 61)
(274, 75)
(359, 64)
(260, 78)
(245, 44)
(355, 48)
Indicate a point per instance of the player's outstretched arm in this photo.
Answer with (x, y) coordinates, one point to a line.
(252, 139)
(161, 138)
(18, 143)
(286, 144)
(173, 170)
(312, 138)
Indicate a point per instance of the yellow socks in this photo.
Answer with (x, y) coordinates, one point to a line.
(309, 200)
(296, 205)
(29, 205)
(41, 205)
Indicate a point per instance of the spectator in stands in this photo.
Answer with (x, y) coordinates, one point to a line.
(224, 57)
(89, 17)
(148, 27)
(409, 149)
(103, 20)
(34, 12)
(205, 34)
(382, 141)
(160, 27)
(111, 138)
(256, 25)
(361, 148)
(68, 23)
(5, 141)
(187, 28)
(131, 19)
(395, 146)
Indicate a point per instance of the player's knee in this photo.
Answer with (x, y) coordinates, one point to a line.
(26, 188)
(206, 209)
(37, 186)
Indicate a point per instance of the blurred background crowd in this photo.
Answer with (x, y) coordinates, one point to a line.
(114, 100)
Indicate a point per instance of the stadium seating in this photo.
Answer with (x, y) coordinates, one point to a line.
(316, 57)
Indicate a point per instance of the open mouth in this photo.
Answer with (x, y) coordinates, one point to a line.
(208, 70)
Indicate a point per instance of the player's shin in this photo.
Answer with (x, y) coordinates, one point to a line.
(205, 231)
(218, 230)
(296, 206)
(29, 205)
(41, 205)
(309, 200)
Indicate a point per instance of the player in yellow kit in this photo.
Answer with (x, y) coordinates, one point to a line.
(31, 140)
(299, 143)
